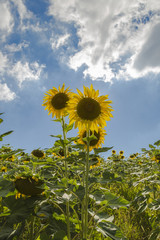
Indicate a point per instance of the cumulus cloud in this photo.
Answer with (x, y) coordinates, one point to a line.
(24, 13)
(26, 71)
(16, 47)
(5, 93)
(3, 63)
(6, 20)
(60, 41)
(114, 36)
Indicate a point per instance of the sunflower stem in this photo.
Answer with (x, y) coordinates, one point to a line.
(66, 175)
(86, 188)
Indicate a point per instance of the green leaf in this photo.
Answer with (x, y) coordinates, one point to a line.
(57, 136)
(157, 143)
(104, 149)
(151, 146)
(5, 232)
(105, 197)
(1, 120)
(143, 149)
(108, 229)
(57, 120)
(6, 187)
(68, 127)
(20, 208)
(90, 138)
(5, 134)
(80, 192)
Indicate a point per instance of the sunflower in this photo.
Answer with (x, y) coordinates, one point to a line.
(121, 152)
(132, 156)
(113, 151)
(156, 158)
(59, 153)
(95, 143)
(56, 101)
(11, 158)
(3, 169)
(122, 157)
(96, 162)
(88, 110)
(38, 153)
(28, 186)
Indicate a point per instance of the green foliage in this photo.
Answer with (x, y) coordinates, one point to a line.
(124, 194)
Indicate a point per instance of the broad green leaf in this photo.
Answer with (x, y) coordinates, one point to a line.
(151, 146)
(104, 149)
(157, 143)
(80, 192)
(108, 229)
(6, 187)
(5, 232)
(105, 197)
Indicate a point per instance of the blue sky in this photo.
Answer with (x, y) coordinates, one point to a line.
(112, 45)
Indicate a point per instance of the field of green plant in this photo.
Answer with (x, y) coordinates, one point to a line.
(69, 191)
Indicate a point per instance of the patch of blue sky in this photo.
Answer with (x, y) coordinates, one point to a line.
(144, 19)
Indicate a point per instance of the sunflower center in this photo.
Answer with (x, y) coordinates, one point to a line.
(38, 153)
(59, 101)
(61, 152)
(88, 109)
(94, 141)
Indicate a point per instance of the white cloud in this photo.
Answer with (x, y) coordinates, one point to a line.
(5, 93)
(26, 71)
(24, 13)
(3, 63)
(6, 20)
(16, 47)
(112, 32)
(60, 41)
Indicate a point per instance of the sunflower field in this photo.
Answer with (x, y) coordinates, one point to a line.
(69, 191)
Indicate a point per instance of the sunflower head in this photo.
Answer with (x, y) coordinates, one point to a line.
(28, 186)
(94, 143)
(113, 151)
(11, 158)
(95, 162)
(132, 156)
(3, 169)
(60, 153)
(88, 110)
(56, 100)
(121, 152)
(122, 157)
(38, 153)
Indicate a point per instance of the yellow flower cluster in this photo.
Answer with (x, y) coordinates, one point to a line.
(88, 111)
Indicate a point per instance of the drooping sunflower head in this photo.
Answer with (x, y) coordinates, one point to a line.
(95, 162)
(38, 153)
(88, 110)
(56, 100)
(28, 186)
(95, 143)
(59, 153)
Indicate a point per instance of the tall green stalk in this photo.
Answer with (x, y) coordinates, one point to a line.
(86, 198)
(66, 175)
